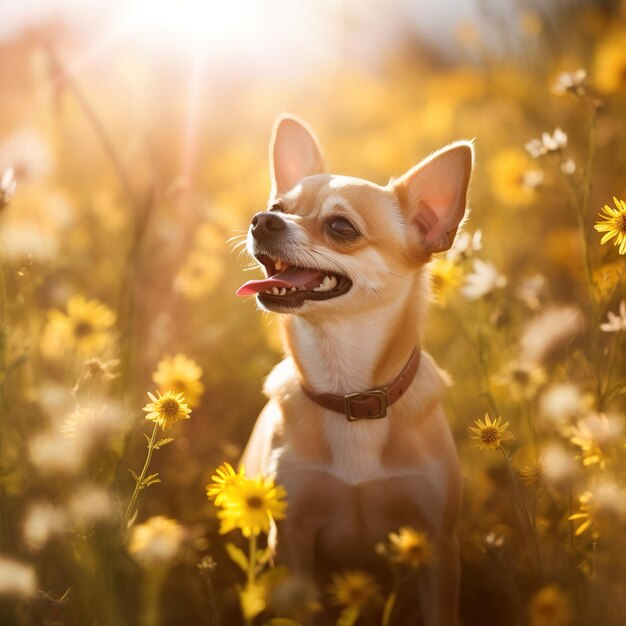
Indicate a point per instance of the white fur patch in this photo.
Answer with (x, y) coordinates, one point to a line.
(356, 447)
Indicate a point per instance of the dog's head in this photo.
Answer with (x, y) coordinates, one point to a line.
(336, 243)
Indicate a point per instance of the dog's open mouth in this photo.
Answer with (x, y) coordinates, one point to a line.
(290, 285)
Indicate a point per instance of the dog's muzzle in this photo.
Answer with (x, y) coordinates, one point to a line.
(267, 225)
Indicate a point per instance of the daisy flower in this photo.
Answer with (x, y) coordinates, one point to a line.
(224, 479)
(166, 409)
(614, 224)
(156, 542)
(353, 589)
(490, 434)
(410, 547)
(251, 505)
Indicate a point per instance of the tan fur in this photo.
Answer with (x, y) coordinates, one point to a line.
(350, 484)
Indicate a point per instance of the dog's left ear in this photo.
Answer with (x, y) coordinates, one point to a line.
(294, 153)
(433, 195)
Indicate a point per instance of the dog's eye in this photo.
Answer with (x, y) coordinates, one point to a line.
(342, 227)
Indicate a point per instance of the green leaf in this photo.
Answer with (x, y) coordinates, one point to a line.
(134, 475)
(163, 442)
(151, 480)
(237, 555)
(148, 439)
(263, 556)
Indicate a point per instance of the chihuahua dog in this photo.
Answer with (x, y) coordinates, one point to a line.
(354, 428)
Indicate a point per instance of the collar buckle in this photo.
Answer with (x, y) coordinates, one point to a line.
(379, 394)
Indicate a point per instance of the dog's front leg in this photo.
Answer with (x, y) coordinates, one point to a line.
(439, 584)
(295, 544)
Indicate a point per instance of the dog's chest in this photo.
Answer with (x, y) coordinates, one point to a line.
(356, 447)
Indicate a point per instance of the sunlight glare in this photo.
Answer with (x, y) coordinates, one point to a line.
(204, 24)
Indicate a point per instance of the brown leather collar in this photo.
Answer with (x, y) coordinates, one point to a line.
(370, 404)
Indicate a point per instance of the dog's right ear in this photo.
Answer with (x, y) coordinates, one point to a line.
(294, 153)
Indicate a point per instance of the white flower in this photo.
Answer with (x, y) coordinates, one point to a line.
(609, 497)
(465, 245)
(156, 542)
(532, 179)
(560, 402)
(16, 579)
(570, 81)
(548, 143)
(549, 329)
(558, 464)
(568, 167)
(91, 505)
(483, 281)
(599, 428)
(43, 522)
(531, 289)
(51, 453)
(94, 425)
(616, 323)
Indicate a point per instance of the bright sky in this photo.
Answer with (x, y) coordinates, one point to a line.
(268, 32)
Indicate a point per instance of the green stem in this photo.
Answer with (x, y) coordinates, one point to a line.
(391, 602)
(153, 583)
(139, 481)
(531, 426)
(523, 507)
(251, 570)
(609, 370)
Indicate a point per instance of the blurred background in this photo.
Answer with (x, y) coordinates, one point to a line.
(136, 133)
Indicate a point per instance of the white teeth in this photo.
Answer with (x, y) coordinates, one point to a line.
(329, 282)
(275, 291)
(283, 291)
(292, 290)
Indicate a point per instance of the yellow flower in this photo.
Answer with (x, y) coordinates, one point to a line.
(593, 435)
(490, 434)
(610, 63)
(410, 547)
(167, 409)
(251, 504)
(224, 479)
(532, 472)
(446, 276)
(600, 508)
(614, 224)
(200, 274)
(180, 374)
(156, 542)
(513, 179)
(550, 607)
(522, 380)
(85, 328)
(353, 589)
(587, 512)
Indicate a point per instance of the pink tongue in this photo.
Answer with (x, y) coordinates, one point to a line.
(291, 277)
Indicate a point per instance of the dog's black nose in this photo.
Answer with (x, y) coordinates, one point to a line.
(266, 225)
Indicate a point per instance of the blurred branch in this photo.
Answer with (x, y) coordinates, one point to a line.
(63, 79)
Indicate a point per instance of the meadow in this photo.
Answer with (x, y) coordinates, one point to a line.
(130, 374)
